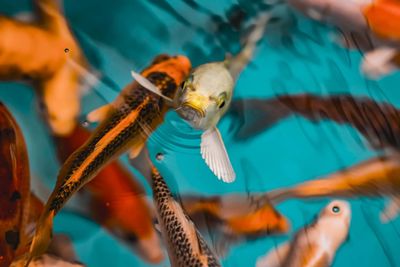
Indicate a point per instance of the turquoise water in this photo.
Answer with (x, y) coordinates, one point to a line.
(295, 56)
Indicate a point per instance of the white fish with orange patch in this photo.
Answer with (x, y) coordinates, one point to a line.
(316, 244)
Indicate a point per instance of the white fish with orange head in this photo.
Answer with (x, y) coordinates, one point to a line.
(206, 95)
(316, 244)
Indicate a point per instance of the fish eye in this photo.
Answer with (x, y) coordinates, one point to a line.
(221, 104)
(335, 209)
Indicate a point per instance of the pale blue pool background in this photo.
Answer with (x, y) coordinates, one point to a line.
(123, 34)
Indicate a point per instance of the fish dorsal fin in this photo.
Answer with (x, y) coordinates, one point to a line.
(98, 114)
(214, 153)
(275, 257)
(145, 83)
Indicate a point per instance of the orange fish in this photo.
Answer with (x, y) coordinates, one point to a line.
(117, 200)
(125, 125)
(239, 215)
(383, 17)
(18, 207)
(47, 63)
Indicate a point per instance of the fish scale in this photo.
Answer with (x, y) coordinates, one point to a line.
(176, 236)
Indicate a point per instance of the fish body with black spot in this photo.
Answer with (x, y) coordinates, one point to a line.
(186, 247)
(125, 125)
(316, 244)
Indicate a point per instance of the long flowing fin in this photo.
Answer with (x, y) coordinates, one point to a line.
(214, 153)
(391, 210)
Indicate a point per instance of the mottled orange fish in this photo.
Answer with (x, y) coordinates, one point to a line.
(117, 200)
(39, 51)
(18, 208)
(125, 125)
(239, 214)
(383, 17)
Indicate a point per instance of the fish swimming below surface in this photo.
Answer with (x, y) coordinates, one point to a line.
(368, 25)
(206, 95)
(46, 65)
(125, 125)
(18, 207)
(233, 218)
(373, 178)
(316, 244)
(117, 201)
(185, 245)
(377, 122)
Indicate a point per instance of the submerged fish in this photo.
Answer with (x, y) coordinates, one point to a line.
(233, 219)
(378, 122)
(206, 95)
(125, 125)
(117, 200)
(48, 260)
(18, 207)
(373, 178)
(45, 63)
(185, 245)
(240, 216)
(316, 244)
(369, 25)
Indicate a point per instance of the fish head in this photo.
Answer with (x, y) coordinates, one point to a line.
(205, 95)
(334, 221)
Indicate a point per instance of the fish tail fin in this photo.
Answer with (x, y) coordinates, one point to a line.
(238, 63)
(42, 237)
(253, 116)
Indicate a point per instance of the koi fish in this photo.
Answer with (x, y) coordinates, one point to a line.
(15, 197)
(373, 178)
(125, 125)
(45, 64)
(369, 25)
(377, 122)
(205, 97)
(233, 218)
(239, 214)
(316, 244)
(185, 245)
(117, 200)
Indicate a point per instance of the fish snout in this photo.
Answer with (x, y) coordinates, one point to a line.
(191, 112)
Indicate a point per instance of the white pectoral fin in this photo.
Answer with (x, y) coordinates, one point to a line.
(149, 85)
(275, 257)
(215, 155)
(379, 62)
(98, 114)
(391, 210)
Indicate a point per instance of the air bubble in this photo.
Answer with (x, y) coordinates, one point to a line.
(159, 156)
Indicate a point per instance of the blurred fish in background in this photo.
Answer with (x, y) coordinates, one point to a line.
(371, 26)
(37, 52)
(316, 244)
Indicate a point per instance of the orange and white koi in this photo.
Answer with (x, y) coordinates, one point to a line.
(316, 244)
(125, 125)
